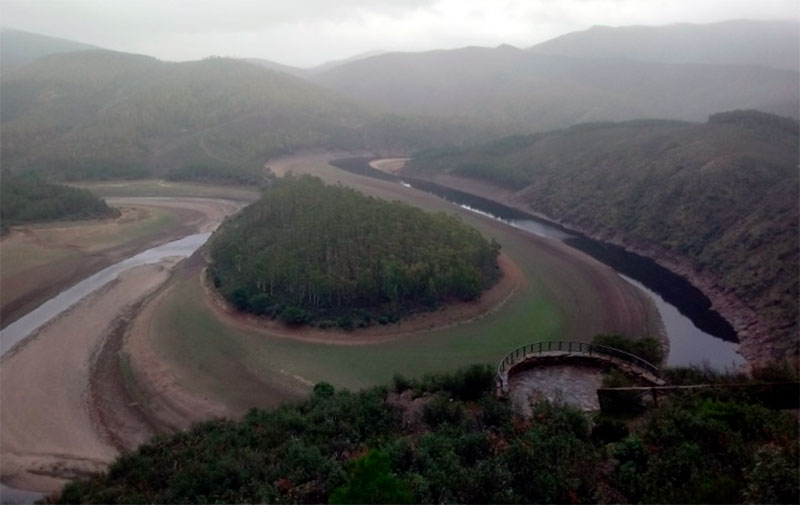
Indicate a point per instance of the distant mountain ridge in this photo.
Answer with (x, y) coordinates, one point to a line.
(534, 91)
(742, 42)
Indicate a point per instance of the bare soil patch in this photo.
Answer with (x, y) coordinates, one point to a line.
(48, 431)
(56, 256)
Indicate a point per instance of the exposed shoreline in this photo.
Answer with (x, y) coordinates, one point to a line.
(752, 332)
(60, 420)
(26, 290)
(451, 314)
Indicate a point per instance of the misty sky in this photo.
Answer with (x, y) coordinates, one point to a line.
(308, 32)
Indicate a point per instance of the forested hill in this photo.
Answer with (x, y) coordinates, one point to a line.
(328, 255)
(102, 114)
(31, 200)
(722, 195)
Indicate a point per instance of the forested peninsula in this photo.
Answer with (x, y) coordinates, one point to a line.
(330, 256)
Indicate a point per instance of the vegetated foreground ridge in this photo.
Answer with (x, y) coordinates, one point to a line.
(449, 439)
(715, 201)
(308, 252)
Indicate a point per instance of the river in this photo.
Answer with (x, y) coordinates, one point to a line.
(17, 331)
(697, 334)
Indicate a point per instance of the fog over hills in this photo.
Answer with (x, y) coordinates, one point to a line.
(535, 90)
(766, 43)
(103, 114)
(19, 48)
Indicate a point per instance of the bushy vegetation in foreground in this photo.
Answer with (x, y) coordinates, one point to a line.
(27, 199)
(307, 252)
(447, 438)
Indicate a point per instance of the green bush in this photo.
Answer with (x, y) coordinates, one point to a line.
(647, 348)
(370, 480)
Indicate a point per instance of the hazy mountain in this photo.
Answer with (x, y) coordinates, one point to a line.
(107, 114)
(287, 69)
(722, 194)
(306, 72)
(535, 91)
(335, 63)
(768, 43)
(20, 48)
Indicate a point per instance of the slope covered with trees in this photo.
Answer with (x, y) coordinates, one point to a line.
(31, 200)
(448, 439)
(325, 254)
(536, 90)
(104, 115)
(721, 195)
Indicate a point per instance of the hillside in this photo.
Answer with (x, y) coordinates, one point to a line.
(449, 439)
(767, 43)
(716, 201)
(101, 114)
(20, 48)
(311, 253)
(31, 200)
(529, 90)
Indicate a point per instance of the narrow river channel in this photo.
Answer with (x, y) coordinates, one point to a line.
(697, 334)
(17, 331)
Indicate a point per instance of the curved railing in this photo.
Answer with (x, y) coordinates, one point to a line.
(519, 354)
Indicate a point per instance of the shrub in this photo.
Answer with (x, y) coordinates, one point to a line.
(294, 315)
(370, 480)
(647, 348)
(607, 430)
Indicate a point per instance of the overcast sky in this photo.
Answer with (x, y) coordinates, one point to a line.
(308, 32)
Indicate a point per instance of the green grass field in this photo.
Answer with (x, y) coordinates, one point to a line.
(246, 369)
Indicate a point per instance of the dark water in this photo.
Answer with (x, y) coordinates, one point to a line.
(697, 333)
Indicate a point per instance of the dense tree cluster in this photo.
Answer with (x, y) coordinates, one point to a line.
(29, 199)
(308, 252)
(449, 439)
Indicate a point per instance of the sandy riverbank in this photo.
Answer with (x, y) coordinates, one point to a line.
(57, 413)
(40, 261)
(48, 432)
